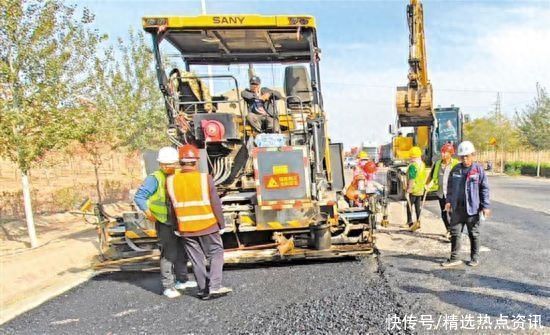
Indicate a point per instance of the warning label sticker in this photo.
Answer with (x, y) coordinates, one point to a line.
(280, 181)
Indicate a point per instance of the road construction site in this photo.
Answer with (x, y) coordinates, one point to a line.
(251, 183)
(403, 278)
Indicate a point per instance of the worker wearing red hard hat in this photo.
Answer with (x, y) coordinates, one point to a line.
(199, 217)
(438, 179)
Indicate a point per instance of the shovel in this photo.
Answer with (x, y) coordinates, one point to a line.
(417, 223)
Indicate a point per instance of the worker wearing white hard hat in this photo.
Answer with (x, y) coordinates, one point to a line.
(152, 199)
(468, 201)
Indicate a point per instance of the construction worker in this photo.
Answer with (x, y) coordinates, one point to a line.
(437, 181)
(199, 216)
(355, 192)
(416, 179)
(468, 201)
(363, 159)
(152, 200)
(261, 106)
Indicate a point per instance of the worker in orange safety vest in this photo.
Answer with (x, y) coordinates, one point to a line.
(199, 217)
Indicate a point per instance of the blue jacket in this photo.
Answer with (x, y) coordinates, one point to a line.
(145, 191)
(476, 192)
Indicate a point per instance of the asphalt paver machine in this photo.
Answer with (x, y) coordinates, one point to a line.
(280, 191)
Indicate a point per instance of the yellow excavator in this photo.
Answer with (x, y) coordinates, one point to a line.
(414, 104)
(431, 128)
(414, 101)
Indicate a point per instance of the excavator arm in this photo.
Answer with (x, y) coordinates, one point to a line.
(414, 101)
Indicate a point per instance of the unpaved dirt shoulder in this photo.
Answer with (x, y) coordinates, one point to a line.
(29, 277)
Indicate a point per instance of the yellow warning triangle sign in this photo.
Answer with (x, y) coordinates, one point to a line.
(272, 183)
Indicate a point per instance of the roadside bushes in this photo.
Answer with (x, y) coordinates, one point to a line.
(58, 200)
(526, 169)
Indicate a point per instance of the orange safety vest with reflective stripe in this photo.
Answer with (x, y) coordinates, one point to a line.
(190, 197)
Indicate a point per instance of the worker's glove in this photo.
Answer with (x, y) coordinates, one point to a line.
(149, 215)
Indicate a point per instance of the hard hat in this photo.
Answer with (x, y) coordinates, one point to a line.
(188, 153)
(466, 148)
(363, 155)
(415, 152)
(167, 155)
(255, 80)
(448, 147)
(370, 167)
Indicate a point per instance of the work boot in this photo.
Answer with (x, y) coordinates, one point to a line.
(185, 285)
(222, 291)
(473, 263)
(451, 262)
(171, 293)
(415, 226)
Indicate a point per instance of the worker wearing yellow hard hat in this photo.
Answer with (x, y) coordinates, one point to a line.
(363, 158)
(416, 180)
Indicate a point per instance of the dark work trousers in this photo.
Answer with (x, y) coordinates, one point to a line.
(201, 248)
(173, 258)
(444, 214)
(263, 123)
(459, 219)
(415, 201)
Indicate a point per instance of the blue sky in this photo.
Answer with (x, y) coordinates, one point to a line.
(475, 48)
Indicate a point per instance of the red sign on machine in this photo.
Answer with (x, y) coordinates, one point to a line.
(281, 181)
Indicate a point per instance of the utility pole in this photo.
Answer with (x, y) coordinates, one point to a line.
(498, 119)
(210, 79)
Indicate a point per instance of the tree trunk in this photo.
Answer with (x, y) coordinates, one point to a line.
(28, 209)
(495, 160)
(538, 163)
(97, 185)
(502, 161)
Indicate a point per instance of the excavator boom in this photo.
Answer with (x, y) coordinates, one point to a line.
(414, 101)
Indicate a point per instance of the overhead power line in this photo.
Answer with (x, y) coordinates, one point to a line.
(469, 90)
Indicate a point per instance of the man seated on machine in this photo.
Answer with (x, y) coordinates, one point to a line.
(261, 109)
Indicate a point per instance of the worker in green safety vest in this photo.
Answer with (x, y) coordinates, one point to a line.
(437, 181)
(416, 180)
(152, 199)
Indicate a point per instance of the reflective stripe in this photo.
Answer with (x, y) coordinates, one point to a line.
(191, 203)
(195, 214)
(188, 218)
(205, 195)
